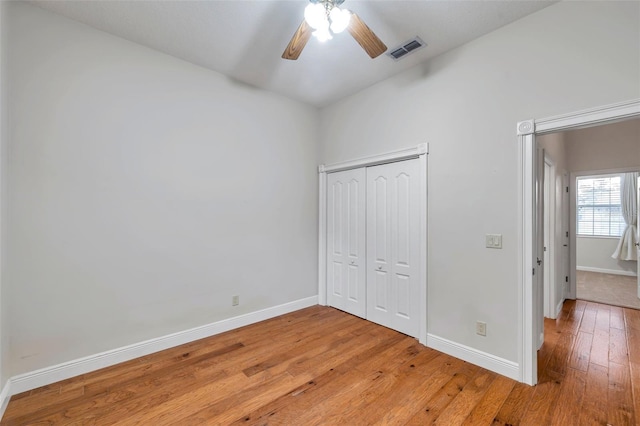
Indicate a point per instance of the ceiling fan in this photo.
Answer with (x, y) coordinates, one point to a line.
(323, 18)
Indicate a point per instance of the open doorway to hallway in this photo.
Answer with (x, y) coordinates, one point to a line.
(584, 172)
(530, 228)
(597, 159)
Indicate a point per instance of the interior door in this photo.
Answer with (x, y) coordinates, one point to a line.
(548, 288)
(393, 245)
(346, 227)
(565, 237)
(538, 252)
(638, 229)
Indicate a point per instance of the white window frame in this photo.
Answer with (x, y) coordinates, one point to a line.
(594, 176)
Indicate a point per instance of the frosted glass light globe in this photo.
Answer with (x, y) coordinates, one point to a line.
(339, 19)
(323, 34)
(316, 16)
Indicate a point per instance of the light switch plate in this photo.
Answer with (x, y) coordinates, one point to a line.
(493, 241)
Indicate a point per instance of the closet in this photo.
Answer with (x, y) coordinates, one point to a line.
(373, 243)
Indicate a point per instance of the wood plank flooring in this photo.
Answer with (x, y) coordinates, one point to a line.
(322, 366)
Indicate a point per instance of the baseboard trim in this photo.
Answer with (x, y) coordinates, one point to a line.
(490, 362)
(5, 396)
(559, 308)
(607, 271)
(48, 375)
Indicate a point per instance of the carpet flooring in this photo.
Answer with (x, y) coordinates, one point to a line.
(617, 290)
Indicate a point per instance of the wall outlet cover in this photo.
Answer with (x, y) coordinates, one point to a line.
(481, 328)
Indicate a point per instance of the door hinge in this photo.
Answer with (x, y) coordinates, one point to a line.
(534, 271)
(567, 189)
(566, 279)
(567, 233)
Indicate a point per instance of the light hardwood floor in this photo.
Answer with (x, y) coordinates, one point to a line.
(322, 366)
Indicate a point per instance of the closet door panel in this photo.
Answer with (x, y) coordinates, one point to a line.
(346, 260)
(354, 280)
(393, 245)
(381, 293)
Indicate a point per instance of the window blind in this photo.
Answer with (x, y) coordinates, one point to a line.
(598, 206)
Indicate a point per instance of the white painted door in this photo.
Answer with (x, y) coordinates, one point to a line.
(346, 227)
(548, 287)
(565, 237)
(638, 235)
(538, 252)
(393, 245)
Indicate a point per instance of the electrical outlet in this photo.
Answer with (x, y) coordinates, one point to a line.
(235, 300)
(481, 328)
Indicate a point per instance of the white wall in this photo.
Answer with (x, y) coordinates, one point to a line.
(144, 192)
(613, 146)
(554, 145)
(4, 332)
(594, 253)
(465, 104)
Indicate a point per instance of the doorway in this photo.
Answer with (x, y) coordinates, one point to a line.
(531, 250)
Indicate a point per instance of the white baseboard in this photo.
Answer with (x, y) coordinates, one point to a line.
(607, 271)
(48, 375)
(5, 396)
(474, 356)
(559, 308)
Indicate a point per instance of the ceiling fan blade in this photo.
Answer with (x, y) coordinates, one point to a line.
(365, 37)
(298, 41)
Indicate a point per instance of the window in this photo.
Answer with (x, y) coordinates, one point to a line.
(599, 211)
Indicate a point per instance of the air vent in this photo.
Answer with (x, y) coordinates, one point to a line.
(406, 48)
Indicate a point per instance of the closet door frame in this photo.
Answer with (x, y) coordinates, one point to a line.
(420, 152)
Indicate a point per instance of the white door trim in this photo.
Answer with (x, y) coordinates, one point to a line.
(404, 154)
(526, 131)
(420, 152)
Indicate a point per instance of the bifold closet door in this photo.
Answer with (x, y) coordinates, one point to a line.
(393, 245)
(346, 229)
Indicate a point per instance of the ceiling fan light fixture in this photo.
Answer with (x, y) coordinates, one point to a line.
(323, 19)
(339, 19)
(323, 34)
(316, 16)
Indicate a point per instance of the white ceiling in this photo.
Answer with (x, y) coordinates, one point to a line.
(244, 39)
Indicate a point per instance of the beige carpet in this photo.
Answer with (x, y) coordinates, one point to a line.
(617, 290)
